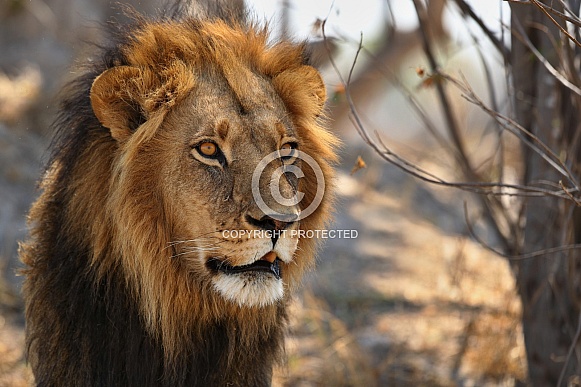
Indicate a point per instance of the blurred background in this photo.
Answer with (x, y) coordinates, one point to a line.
(413, 299)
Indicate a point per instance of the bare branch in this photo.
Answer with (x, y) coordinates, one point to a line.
(573, 19)
(542, 8)
(570, 352)
(469, 12)
(535, 144)
(443, 97)
(519, 257)
(522, 36)
(395, 80)
(482, 188)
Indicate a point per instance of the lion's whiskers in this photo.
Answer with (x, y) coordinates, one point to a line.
(201, 237)
(200, 244)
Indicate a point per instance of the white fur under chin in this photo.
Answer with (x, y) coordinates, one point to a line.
(249, 289)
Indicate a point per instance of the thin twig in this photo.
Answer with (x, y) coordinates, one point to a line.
(495, 107)
(469, 12)
(483, 188)
(522, 36)
(575, 200)
(494, 189)
(519, 257)
(442, 96)
(414, 104)
(563, 30)
(512, 126)
(570, 352)
(573, 20)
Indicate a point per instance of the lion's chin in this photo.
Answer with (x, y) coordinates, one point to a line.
(249, 289)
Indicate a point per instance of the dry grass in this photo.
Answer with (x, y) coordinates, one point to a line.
(322, 351)
(440, 342)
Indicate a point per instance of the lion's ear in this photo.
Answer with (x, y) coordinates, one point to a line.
(115, 99)
(302, 89)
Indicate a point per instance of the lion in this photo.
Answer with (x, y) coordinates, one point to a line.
(133, 276)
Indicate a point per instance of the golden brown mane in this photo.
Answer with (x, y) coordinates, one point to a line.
(108, 303)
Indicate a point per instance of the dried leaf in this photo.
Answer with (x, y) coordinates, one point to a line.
(359, 164)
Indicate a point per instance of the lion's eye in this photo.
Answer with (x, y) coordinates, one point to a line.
(208, 149)
(287, 150)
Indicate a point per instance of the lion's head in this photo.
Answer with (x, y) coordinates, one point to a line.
(162, 235)
(189, 110)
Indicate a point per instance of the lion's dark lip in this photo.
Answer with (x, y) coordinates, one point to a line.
(263, 266)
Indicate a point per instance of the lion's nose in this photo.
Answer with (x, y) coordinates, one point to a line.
(273, 223)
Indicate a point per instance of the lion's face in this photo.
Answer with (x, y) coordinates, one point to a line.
(211, 149)
(194, 111)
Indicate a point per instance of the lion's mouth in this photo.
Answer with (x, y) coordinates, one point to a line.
(259, 266)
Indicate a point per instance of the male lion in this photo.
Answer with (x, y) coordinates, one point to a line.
(133, 275)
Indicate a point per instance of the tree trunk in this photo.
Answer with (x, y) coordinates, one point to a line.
(547, 285)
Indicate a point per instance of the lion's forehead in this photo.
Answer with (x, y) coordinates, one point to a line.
(210, 113)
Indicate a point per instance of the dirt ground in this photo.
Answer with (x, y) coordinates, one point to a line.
(412, 300)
